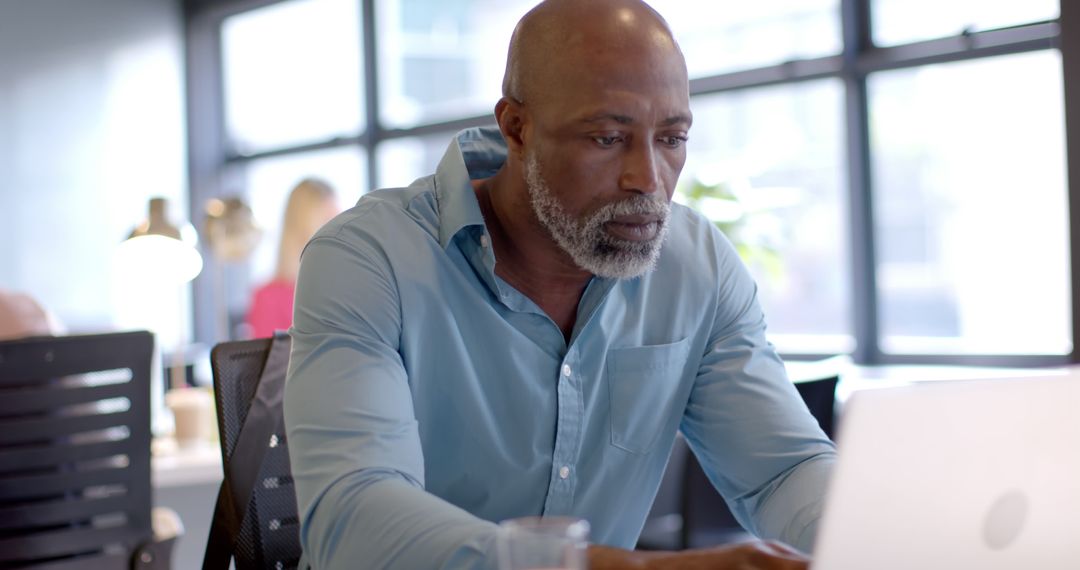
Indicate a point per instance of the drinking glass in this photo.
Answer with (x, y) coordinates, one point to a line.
(543, 543)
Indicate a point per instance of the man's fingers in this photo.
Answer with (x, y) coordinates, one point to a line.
(773, 556)
(783, 550)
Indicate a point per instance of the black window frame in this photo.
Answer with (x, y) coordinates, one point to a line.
(209, 154)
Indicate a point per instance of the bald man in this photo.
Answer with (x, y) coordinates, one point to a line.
(22, 316)
(524, 332)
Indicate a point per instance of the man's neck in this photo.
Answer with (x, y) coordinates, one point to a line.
(527, 258)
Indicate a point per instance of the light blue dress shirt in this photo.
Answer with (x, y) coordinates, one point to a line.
(428, 399)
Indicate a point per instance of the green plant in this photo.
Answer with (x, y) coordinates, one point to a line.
(721, 205)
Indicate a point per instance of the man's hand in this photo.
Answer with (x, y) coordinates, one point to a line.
(743, 556)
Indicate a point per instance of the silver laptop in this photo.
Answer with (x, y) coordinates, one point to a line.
(972, 474)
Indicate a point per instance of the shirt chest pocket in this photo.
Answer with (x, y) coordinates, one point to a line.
(643, 383)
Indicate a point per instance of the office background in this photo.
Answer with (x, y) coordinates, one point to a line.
(897, 172)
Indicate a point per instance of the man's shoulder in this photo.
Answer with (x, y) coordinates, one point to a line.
(695, 249)
(698, 268)
(388, 214)
(690, 234)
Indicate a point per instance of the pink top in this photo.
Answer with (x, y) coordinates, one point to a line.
(271, 308)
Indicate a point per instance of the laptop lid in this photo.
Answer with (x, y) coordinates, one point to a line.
(962, 474)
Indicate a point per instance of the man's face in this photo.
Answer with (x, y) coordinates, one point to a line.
(588, 239)
(603, 154)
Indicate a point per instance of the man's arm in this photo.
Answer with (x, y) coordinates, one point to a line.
(353, 440)
(749, 555)
(752, 433)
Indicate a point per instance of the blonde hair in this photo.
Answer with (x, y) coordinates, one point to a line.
(311, 204)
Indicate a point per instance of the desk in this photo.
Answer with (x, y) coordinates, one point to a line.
(855, 377)
(187, 481)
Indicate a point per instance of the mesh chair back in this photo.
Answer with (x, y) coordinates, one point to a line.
(265, 532)
(820, 398)
(75, 450)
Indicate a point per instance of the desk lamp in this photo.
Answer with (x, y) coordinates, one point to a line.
(159, 249)
(232, 233)
(155, 263)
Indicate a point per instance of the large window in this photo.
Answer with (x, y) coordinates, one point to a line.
(730, 35)
(268, 181)
(970, 206)
(292, 74)
(894, 172)
(770, 162)
(903, 21)
(442, 59)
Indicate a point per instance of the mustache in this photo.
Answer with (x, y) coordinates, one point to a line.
(637, 205)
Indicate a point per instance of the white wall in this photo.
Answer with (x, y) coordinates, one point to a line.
(91, 126)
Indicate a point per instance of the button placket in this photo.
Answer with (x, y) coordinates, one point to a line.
(567, 438)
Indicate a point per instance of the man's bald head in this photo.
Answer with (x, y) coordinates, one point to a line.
(558, 33)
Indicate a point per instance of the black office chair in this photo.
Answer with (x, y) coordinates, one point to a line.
(689, 513)
(75, 489)
(255, 521)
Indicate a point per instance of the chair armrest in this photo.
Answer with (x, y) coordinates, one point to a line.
(166, 523)
(157, 554)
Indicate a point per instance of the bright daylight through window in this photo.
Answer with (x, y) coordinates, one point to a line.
(893, 172)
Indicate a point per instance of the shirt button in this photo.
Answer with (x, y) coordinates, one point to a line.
(564, 472)
(566, 370)
(484, 241)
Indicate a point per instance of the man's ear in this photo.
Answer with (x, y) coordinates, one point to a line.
(510, 114)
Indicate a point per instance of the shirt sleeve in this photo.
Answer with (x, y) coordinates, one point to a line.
(750, 429)
(353, 439)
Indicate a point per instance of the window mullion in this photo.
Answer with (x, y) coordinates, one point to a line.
(373, 132)
(856, 29)
(1070, 64)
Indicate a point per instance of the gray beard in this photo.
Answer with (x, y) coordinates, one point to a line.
(586, 241)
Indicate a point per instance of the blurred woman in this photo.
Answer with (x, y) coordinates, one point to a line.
(311, 204)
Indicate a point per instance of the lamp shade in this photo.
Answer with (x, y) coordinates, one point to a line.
(158, 249)
(230, 229)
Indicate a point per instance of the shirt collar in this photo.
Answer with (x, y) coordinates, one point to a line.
(473, 154)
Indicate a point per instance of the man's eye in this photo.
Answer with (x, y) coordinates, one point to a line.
(606, 141)
(673, 141)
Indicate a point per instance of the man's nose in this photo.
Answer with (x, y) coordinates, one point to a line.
(640, 172)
